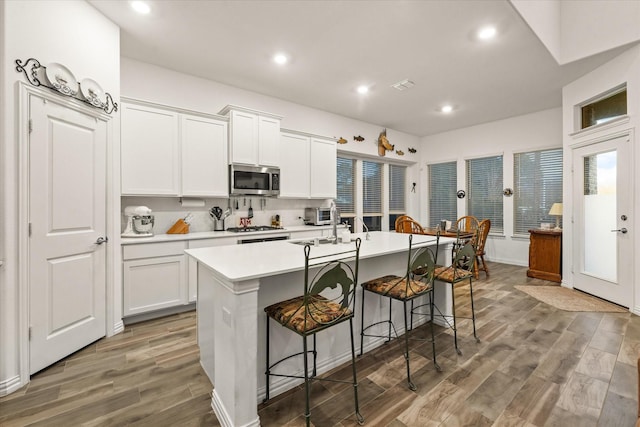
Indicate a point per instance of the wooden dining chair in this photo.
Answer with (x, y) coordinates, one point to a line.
(399, 220)
(410, 226)
(483, 231)
(467, 223)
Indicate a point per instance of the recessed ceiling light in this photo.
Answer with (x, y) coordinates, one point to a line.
(140, 7)
(363, 89)
(487, 33)
(446, 109)
(280, 59)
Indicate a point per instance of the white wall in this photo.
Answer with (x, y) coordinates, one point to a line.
(72, 33)
(572, 30)
(623, 69)
(517, 134)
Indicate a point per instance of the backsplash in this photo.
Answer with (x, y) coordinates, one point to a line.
(167, 210)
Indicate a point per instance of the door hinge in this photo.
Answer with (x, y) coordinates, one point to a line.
(30, 125)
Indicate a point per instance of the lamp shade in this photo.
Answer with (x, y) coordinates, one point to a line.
(556, 209)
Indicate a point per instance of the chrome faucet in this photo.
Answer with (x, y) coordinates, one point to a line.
(334, 222)
(367, 236)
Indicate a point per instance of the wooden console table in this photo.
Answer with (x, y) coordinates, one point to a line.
(545, 255)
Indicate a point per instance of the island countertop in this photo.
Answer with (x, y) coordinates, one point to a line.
(244, 262)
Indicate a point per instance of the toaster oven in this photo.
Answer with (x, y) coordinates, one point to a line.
(319, 216)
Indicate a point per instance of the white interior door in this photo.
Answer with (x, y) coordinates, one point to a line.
(603, 246)
(67, 202)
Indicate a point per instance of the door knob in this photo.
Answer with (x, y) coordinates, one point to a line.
(622, 230)
(102, 240)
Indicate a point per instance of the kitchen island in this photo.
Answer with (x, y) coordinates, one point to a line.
(235, 283)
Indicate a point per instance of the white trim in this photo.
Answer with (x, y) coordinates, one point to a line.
(601, 127)
(228, 108)
(10, 385)
(534, 150)
(24, 95)
(144, 103)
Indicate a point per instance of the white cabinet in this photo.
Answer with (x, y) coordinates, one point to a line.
(323, 168)
(154, 277)
(172, 152)
(307, 166)
(204, 157)
(294, 166)
(254, 137)
(149, 153)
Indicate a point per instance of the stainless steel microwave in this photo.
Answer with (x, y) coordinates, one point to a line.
(319, 216)
(254, 180)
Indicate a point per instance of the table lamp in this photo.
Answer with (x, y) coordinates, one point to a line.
(556, 210)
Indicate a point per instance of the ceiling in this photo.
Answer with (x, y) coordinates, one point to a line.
(335, 46)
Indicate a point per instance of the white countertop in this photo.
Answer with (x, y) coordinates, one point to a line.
(217, 234)
(244, 262)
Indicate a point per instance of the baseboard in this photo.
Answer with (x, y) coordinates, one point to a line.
(509, 261)
(118, 327)
(10, 385)
(223, 417)
(143, 317)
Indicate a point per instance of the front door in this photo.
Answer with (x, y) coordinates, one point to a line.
(603, 247)
(67, 202)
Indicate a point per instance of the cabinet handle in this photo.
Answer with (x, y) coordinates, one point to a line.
(622, 230)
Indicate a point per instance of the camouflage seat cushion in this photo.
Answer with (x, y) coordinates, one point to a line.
(320, 313)
(450, 274)
(396, 287)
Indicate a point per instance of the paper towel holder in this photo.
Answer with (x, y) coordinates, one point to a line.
(190, 202)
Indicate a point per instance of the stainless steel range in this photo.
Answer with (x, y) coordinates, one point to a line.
(251, 228)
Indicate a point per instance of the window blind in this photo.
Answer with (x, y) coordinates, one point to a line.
(484, 190)
(397, 186)
(346, 186)
(537, 186)
(442, 192)
(372, 188)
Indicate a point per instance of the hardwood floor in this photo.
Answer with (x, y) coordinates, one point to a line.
(535, 366)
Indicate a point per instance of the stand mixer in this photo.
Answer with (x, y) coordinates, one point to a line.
(139, 222)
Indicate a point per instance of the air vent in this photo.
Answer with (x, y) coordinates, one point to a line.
(403, 85)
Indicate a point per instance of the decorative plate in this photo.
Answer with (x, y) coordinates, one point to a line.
(92, 92)
(62, 79)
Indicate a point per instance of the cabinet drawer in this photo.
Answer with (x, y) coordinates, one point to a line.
(207, 243)
(149, 250)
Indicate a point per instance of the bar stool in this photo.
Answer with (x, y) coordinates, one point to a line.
(417, 281)
(460, 270)
(312, 312)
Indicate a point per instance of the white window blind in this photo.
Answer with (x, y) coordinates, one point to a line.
(442, 192)
(537, 186)
(397, 186)
(346, 186)
(371, 188)
(484, 190)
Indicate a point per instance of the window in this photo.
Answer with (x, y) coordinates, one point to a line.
(537, 186)
(605, 109)
(346, 186)
(442, 192)
(372, 195)
(484, 190)
(397, 195)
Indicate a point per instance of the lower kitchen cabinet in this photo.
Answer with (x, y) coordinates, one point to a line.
(154, 277)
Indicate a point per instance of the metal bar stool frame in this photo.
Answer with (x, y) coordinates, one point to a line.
(333, 272)
(460, 270)
(417, 282)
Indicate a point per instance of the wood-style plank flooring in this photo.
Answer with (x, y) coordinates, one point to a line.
(535, 366)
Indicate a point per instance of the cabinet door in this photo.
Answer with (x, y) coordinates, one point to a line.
(269, 141)
(294, 166)
(154, 283)
(204, 157)
(323, 168)
(150, 152)
(244, 138)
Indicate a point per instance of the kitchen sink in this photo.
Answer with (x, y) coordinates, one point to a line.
(321, 241)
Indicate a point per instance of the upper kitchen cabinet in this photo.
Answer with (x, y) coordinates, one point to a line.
(150, 152)
(172, 152)
(254, 136)
(307, 166)
(204, 157)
